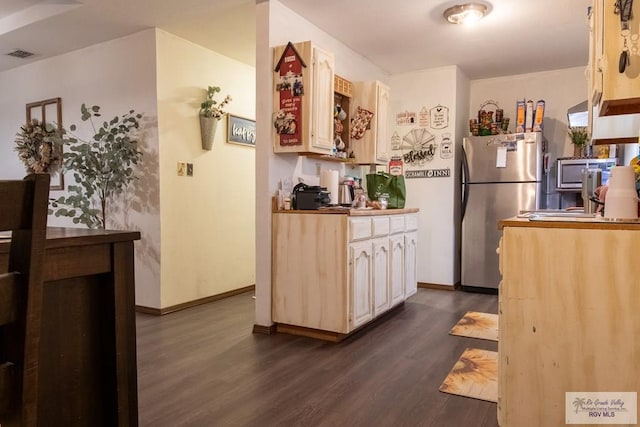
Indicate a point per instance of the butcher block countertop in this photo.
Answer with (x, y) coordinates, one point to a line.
(352, 212)
(598, 223)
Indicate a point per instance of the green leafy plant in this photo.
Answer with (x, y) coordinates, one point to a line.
(210, 107)
(102, 166)
(578, 135)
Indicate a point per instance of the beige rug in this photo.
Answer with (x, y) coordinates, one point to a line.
(475, 375)
(477, 325)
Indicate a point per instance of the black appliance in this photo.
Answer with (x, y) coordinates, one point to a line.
(307, 197)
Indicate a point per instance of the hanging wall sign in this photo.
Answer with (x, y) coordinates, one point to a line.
(439, 117)
(446, 146)
(395, 141)
(395, 165)
(428, 173)
(290, 90)
(405, 118)
(423, 117)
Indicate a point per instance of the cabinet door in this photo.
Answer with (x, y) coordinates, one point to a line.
(396, 268)
(381, 291)
(410, 263)
(360, 263)
(382, 124)
(322, 100)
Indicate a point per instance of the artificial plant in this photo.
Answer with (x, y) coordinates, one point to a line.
(102, 166)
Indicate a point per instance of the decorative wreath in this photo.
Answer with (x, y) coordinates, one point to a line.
(37, 148)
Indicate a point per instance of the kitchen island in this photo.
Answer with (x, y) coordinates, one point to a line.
(335, 270)
(87, 366)
(569, 317)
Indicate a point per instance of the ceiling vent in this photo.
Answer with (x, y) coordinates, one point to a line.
(18, 53)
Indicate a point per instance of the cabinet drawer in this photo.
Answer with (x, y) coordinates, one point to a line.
(380, 225)
(411, 222)
(396, 224)
(359, 228)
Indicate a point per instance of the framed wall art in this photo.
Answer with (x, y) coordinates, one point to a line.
(49, 111)
(241, 130)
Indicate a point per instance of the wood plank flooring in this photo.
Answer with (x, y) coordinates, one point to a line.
(204, 367)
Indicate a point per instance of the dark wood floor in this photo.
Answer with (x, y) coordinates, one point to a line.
(204, 367)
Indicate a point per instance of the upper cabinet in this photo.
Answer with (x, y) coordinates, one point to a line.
(369, 125)
(614, 88)
(303, 99)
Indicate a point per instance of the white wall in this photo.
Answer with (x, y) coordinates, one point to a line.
(208, 225)
(437, 198)
(208, 222)
(117, 75)
(560, 89)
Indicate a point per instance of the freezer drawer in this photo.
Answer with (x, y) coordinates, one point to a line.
(488, 204)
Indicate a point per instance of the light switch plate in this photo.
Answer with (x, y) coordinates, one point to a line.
(182, 168)
(189, 169)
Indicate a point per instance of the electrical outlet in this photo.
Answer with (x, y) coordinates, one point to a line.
(182, 168)
(189, 169)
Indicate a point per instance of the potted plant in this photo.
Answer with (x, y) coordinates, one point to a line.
(103, 166)
(210, 114)
(579, 139)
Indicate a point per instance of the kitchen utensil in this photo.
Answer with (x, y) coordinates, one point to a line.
(591, 179)
(307, 197)
(345, 194)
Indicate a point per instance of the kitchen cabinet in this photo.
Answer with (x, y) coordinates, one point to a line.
(410, 263)
(381, 292)
(396, 276)
(613, 92)
(361, 264)
(314, 105)
(373, 147)
(335, 271)
(568, 316)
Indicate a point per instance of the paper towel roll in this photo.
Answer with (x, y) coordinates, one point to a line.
(329, 179)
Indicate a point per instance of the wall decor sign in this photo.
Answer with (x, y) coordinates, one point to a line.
(290, 89)
(439, 117)
(49, 111)
(423, 117)
(446, 146)
(405, 118)
(395, 141)
(241, 130)
(428, 173)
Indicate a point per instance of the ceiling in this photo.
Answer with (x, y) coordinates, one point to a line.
(399, 36)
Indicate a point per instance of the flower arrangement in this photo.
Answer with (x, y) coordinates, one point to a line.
(210, 107)
(578, 135)
(37, 147)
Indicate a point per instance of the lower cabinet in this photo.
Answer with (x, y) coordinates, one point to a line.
(336, 272)
(396, 264)
(381, 294)
(410, 263)
(361, 265)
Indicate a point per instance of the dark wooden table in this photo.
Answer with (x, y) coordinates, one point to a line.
(87, 364)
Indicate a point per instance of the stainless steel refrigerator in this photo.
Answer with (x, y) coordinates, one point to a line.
(502, 175)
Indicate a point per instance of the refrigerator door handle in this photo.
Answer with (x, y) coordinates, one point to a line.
(465, 182)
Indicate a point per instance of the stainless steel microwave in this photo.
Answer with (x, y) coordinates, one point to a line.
(569, 171)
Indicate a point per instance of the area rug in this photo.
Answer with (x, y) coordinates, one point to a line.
(475, 375)
(477, 325)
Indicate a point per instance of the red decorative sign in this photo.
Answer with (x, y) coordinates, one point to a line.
(288, 120)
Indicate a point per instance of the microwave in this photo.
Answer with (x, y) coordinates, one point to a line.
(569, 171)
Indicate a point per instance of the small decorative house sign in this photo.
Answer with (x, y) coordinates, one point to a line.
(290, 88)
